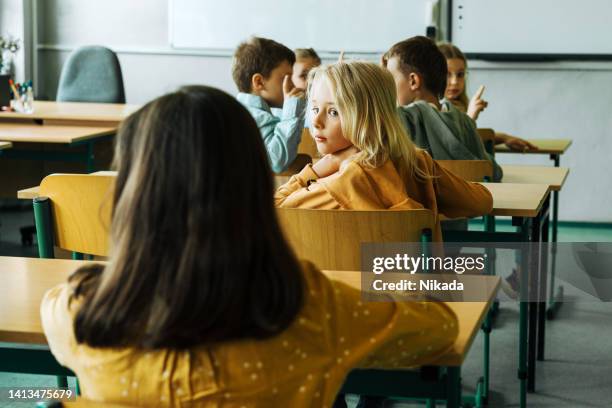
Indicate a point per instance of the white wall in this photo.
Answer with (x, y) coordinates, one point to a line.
(563, 100)
(138, 31)
(566, 100)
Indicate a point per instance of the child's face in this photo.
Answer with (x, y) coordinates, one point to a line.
(405, 91)
(455, 81)
(301, 68)
(326, 125)
(272, 90)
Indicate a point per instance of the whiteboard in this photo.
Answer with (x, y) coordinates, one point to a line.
(360, 26)
(560, 27)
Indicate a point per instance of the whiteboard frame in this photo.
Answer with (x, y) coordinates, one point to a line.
(520, 57)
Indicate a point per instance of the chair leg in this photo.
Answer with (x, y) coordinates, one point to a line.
(44, 226)
(62, 381)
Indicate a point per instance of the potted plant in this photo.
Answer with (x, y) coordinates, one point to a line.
(9, 47)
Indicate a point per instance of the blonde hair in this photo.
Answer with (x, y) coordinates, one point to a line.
(450, 51)
(366, 99)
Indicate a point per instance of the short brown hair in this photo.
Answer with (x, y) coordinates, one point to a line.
(303, 53)
(258, 56)
(421, 55)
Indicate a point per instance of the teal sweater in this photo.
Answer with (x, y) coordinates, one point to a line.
(281, 134)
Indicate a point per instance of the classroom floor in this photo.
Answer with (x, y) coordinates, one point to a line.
(576, 372)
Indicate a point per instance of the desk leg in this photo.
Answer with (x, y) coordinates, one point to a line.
(491, 313)
(526, 231)
(453, 384)
(543, 288)
(533, 285)
(554, 299)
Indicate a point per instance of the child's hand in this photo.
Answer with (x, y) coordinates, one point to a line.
(330, 163)
(289, 90)
(477, 104)
(383, 60)
(518, 144)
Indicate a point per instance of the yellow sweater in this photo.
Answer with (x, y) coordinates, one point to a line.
(302, 367)
(355, 187)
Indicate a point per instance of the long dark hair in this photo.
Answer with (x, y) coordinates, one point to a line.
(198, 255)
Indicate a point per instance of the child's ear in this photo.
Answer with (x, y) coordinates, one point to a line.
(257, 82)
(415, 81)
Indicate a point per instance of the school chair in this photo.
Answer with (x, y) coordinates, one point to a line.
(488, 138)
(298, 164)
(91, 74)
(472, 170)
(73, 212)
(308, 145)
(301, 160)
(331, 239)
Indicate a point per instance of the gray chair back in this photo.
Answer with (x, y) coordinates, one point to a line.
(91, 74)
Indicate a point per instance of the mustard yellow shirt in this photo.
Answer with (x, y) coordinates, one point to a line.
(355, 187)
(304, 366)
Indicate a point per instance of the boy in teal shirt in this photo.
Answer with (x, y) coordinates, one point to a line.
(419, 70)
(262, 72)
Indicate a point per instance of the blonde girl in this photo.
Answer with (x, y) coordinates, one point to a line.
(369, 161)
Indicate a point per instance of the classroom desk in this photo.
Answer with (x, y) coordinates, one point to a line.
(555, 148)
(28, 133)
(73, 113)
(28, 193)
(27, 279)
(545, 146)
(410, 383)
(517, 200)
(528, 205)
(73, 152)
(23, 134)
(554, 177)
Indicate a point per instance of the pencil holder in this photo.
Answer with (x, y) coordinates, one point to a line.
(23, 98)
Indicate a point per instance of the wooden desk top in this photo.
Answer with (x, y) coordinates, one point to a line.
(25, 281)
(74, 111)
(470, 314)
(545, 146)
(28, 193)
(553, 176)
(518, 200)
(5, 145)
(32, 133)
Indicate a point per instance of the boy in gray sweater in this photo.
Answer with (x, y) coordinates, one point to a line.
(419, 70)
